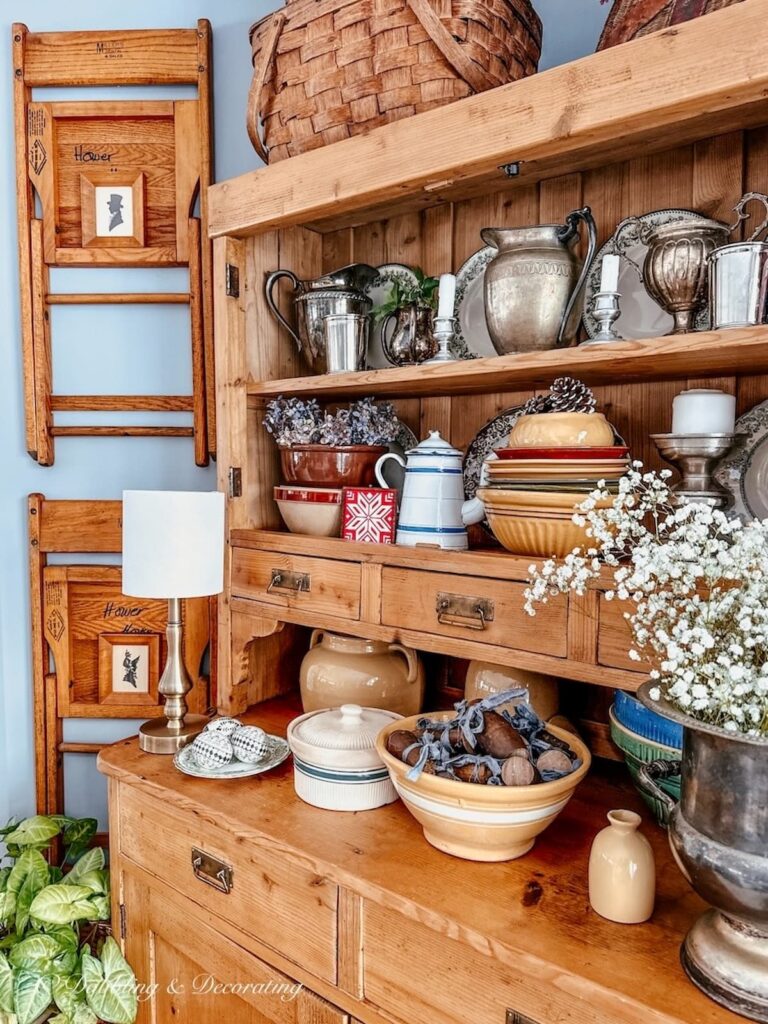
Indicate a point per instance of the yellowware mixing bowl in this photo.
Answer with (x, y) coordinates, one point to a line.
(486, 823)
(562, 430)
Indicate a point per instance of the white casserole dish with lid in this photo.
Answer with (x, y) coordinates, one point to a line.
(336, 765)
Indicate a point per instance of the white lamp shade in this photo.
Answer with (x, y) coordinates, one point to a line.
(173, 543)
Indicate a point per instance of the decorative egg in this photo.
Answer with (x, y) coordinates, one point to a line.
(226, 726)
(212, 750)
(249, 743)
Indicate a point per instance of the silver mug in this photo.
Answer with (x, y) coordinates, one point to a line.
(738, 276)
(346, 341)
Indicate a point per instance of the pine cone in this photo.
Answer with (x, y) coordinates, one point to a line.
(569, 395)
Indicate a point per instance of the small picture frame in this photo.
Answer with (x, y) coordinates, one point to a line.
(129, 668)
(111, 210)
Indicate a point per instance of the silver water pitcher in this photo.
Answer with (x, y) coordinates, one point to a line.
(533, 283)
(340, 292)
(738, 275)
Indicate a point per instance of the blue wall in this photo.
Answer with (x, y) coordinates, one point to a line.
(133, 351)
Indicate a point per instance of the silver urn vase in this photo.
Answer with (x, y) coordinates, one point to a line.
(719, 837)
(676, 266)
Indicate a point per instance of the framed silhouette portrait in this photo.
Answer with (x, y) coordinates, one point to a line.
(112, 210)
(129, 665)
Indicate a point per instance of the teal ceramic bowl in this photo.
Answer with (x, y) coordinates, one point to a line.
(637, 751)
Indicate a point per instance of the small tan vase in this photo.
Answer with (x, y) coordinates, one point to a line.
(622, 871)
(350, 670)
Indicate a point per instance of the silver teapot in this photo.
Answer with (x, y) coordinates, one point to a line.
(533, 282)
(341, 291)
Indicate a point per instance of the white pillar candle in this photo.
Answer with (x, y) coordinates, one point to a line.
(446, 295)
(609, 278)
(703, 411)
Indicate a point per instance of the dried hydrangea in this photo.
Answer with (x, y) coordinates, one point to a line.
(699, 583)
(293, 421)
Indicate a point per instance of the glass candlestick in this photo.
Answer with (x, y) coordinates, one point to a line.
(696, 456)
(606, 311)
(443, 330)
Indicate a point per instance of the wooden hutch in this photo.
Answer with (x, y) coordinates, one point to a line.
(375, 923)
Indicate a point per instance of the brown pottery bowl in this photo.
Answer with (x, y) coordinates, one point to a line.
(325, 466)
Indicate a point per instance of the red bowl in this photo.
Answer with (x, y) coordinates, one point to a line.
(615, 452)
(323, 466)
(309, 495)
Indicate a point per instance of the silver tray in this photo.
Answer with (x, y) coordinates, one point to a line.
(471, 337)
(277, 751)
(744, 471)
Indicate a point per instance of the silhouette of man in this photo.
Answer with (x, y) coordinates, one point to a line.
(116, 210)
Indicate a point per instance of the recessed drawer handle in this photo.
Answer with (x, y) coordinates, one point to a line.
(459, 610)
(283, 579)
(515, 1017)
(212, 871)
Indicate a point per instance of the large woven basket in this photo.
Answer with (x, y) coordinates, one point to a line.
(328, 69)
(630, 19)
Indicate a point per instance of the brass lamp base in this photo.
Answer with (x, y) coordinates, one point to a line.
(178, 728)
(160, 737)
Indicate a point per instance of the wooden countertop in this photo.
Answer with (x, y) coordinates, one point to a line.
(533, 910)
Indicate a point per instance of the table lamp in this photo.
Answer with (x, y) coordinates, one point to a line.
(173, 548)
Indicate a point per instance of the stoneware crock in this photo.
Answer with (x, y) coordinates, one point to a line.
(352, 670)
(335, 762)
(561, 429)
(484, 679)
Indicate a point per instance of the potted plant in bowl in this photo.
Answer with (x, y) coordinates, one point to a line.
(58, 961)
(330, 449)
(696, 583)
(411, 305)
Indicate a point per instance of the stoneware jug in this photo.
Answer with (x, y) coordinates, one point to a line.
(622, 871)
(533, 282)
(351, 670)
(432, 509)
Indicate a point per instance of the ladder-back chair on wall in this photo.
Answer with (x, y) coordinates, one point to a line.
(95, 653)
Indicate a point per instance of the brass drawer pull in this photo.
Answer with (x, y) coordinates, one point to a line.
(212, 871)
(284, 579)
(458, 610)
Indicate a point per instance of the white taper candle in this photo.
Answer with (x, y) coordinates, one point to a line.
(446, 295)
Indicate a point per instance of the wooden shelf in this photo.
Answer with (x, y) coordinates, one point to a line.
(666, 89)
(739, 350)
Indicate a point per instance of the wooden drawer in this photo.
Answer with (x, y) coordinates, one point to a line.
(409, 599)
(449, 981)
(326, 586)
(192, 973)
(269, 896)
(614, 638)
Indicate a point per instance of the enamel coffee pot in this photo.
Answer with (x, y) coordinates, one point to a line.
(433, 510)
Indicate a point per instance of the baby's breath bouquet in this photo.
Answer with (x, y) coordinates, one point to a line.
(699, 583)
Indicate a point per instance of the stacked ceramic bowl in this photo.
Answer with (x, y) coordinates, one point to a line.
(532, 487)
(315, 511)
(643, 736)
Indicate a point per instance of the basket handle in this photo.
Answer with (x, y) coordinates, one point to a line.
(472, 74)
(260, 71)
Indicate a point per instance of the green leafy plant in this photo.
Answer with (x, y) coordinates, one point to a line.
(56, 954)
(422, 293)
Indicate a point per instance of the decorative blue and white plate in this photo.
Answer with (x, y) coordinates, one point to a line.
(471, 338)
(277, 751)
(744, 470)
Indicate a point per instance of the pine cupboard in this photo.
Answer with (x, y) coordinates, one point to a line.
(375, 924)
